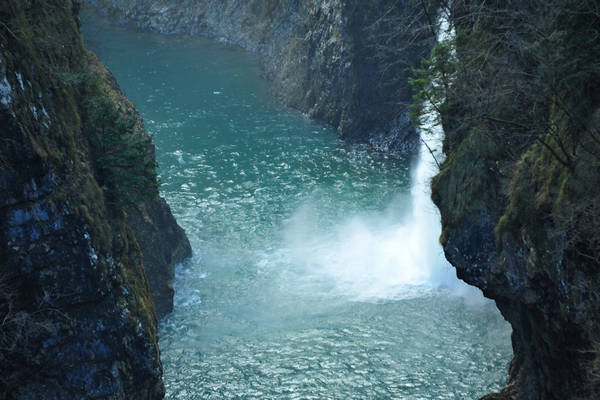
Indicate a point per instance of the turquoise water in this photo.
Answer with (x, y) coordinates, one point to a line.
(305, 281)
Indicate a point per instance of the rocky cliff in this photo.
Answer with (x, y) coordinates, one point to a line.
(162, 241)
(77, 317)
(344, 62)
(519, 190)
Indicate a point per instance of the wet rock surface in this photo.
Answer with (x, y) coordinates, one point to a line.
(163, 244)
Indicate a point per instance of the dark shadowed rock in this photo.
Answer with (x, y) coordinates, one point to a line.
(163, 244)
(162, 241)
(77, 317)
(518, 221)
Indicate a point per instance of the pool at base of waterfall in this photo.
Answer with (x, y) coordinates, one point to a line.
(316, 271)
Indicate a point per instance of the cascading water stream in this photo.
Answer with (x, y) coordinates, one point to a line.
(316, 273)
(398, 255)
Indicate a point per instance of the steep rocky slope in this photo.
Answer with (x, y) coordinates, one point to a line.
(519, 190)
(163, 243)
(77, 317)
(344, 62)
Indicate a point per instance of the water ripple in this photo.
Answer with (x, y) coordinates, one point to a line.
(302, 285)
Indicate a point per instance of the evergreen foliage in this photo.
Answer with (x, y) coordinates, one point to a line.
(528, 82)
(123, 158)
(431, 84)
(517, 90)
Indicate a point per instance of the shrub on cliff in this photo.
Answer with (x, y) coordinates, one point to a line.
(123, 158)
(431, 84)
(531, 82)
(518, 192)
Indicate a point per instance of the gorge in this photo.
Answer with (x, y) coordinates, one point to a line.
(311, 277)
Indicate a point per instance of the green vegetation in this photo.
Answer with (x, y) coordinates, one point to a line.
(123, 158)
(431, 84)
(530, 89)
(517, 92)
(122, 153)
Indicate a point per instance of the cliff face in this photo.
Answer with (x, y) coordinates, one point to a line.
(163, 244)
(519, 190)
(162, 241)
(77, 318)
(344, 62)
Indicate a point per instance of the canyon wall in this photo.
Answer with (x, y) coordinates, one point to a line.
(162, 241)
(79, 219)
(344, 62)
(518, 192)
(519, 187)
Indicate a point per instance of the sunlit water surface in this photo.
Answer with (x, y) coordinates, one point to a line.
(316, 273)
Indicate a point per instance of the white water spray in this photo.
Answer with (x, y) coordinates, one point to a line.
(395, 255)
(392, 255)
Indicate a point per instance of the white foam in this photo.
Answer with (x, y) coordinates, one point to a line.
(373, 257)
(395, 254)
(179, 155)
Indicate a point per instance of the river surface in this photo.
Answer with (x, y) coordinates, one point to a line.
(316, 271)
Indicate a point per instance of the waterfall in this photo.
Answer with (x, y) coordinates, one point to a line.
(317, 271)
(393, 255)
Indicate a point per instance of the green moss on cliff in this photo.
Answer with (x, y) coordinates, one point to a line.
(519, 190)
(73, 264)
(463, 186)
